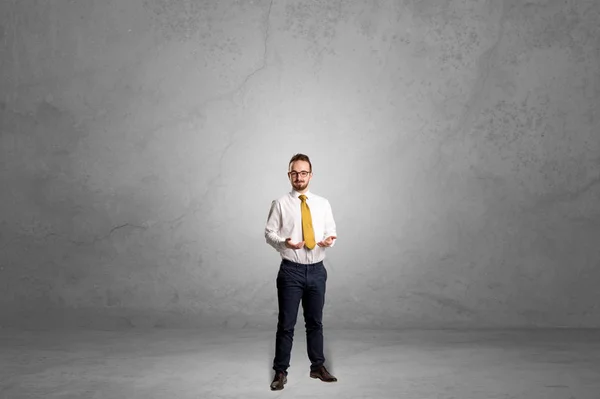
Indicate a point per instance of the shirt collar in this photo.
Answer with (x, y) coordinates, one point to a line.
(295, 194)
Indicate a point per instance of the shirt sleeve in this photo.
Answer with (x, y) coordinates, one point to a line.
(273, 226)
(330, 228)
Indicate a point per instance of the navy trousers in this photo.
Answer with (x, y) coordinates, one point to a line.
(300, 283)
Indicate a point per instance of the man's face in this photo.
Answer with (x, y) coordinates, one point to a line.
(299, 175)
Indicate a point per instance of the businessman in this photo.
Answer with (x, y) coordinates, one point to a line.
(296, 221)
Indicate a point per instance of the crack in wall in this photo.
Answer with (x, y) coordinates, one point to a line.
(231, 136)
(106, 236)
(569, 196)
(476, 100)
(230, 94)
(266, 48)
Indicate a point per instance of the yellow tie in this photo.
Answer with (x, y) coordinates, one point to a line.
(307, 228)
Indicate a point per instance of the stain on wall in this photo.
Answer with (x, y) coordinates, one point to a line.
(142, 142)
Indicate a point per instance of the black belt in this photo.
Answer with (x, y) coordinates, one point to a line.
(289, 262)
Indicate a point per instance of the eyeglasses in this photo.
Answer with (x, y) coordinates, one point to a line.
(302, 173)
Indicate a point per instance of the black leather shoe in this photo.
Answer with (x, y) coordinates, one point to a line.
(278, 381)
(322, 374)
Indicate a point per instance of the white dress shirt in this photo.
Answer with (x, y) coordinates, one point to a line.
(285, 221)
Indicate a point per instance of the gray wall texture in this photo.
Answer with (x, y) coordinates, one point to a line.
(142, 142)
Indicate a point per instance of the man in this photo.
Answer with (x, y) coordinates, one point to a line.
(296, 220)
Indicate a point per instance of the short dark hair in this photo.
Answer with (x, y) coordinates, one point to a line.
(300, 157)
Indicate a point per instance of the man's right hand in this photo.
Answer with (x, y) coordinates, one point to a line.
(289, 244)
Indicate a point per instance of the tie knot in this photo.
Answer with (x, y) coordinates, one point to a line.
(302, 197)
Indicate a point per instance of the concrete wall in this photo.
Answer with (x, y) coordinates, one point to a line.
(143, 141)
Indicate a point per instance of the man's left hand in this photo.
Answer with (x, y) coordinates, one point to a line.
(326, 242)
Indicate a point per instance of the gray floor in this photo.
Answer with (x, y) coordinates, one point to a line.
(236, 364)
